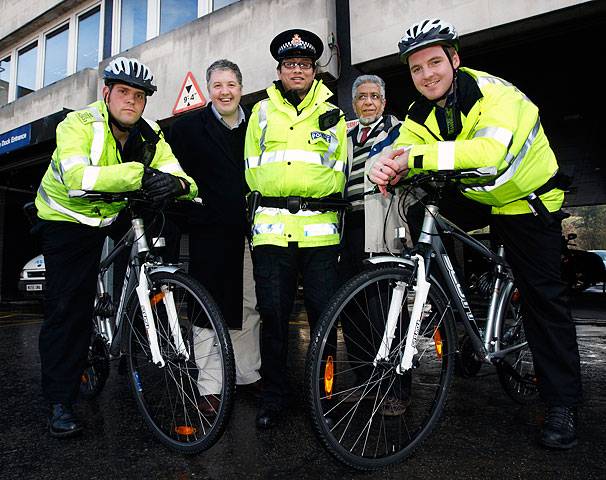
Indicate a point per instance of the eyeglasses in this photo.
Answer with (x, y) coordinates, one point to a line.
(302, 65)
(375, 97)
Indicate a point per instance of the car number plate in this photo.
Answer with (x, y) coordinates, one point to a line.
(33, 287)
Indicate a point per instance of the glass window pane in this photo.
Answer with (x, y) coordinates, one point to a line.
(55, 58)
(133, 23)
(26, 70)
(5, 75)
(174, 13)
(88, 40)
(217, 4)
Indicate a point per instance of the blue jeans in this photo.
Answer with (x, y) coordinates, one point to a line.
(276, 270)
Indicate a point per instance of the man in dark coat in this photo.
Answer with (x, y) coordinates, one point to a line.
(209, 143)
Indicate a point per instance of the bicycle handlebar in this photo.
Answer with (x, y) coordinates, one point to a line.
(137, 195)
(450, 175)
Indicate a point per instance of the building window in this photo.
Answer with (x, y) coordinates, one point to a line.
(55, 55)
(133, 23)
(174, 13)
(26, 69)
(217, 4)
(5, 75)
(87, 48)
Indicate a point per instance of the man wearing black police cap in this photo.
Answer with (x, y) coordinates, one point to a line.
(296, 153)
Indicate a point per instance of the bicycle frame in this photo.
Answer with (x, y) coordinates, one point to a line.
(430, 249)
(138, 270)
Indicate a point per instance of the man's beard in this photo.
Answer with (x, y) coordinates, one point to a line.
(368, 120)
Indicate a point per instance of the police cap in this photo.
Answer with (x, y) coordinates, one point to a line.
(296, 43)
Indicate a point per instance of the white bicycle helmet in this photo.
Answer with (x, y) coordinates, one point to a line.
(431, 31)
(131, 72)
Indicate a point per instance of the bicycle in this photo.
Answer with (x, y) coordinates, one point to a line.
(389, 337)
(159, 327)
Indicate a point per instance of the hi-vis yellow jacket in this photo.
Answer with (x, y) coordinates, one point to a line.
(501, 128)
(288, 155)
(86, 158)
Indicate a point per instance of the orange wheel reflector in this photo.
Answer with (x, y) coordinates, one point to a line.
(185, 430)
(329, 373)
(157, 298)
(437, 340)
(515, 297)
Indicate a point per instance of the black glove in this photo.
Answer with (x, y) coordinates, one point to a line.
(160, 186)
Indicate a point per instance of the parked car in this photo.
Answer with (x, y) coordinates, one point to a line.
(32, 279)
(602, 254)
(580, 268)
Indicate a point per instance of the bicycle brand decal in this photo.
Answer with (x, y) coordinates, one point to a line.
(458, 288)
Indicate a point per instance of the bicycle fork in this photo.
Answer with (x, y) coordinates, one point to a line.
(395, 307)
(143, 292)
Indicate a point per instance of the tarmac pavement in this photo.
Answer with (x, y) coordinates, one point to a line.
(482, 435)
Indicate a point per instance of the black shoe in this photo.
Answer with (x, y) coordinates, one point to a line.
(559, 430)
(63, 421)
(268, 416)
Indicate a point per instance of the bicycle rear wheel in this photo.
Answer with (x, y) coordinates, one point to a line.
(96, 370)
(365, 414)
(186, 403)
(516, 373)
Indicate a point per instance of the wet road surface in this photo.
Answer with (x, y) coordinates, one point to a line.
(482, 435)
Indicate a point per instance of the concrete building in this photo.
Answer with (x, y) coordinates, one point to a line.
(52, 53)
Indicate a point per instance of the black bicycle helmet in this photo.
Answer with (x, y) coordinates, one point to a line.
(131, 72)
(431, 31)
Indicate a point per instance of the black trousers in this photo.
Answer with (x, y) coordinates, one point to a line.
(71, 253)
(276, 270)
(533, 250)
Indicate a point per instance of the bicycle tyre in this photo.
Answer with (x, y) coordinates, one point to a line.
(169, 398)
(524, 391)
(390, 435)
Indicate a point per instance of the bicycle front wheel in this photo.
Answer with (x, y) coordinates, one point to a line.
(187, 402)
(365, 413)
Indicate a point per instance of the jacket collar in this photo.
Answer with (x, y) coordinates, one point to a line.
(318, 93)
(468, 94)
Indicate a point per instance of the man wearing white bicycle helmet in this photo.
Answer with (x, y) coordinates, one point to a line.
(106, 147)
(465, 119)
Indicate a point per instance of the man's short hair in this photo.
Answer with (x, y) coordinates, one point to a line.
(224, 64)
(367, 79)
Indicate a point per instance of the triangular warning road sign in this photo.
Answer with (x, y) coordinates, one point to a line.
(190, 96)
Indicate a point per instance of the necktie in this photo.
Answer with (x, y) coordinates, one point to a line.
(364, 136)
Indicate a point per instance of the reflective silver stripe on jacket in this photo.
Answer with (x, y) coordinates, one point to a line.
(514, 162)
(56, 172)
(89, 177)
(318, 229)
(68, 163)
(171, 168)
(90, 221)
(483, 81)
(96, 149)
(501, 135)
(262, 115)
(446, 155)
(332, 148)
(295, 156)
(273, 228)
